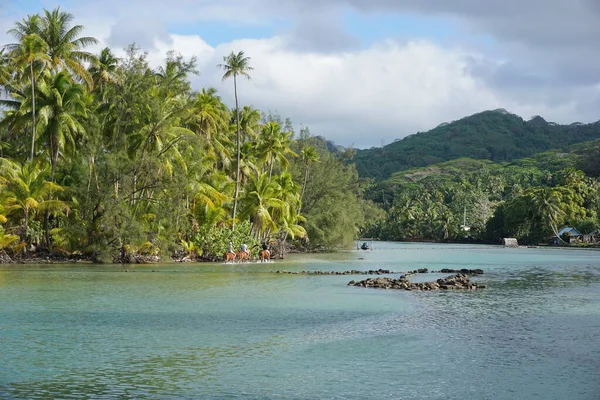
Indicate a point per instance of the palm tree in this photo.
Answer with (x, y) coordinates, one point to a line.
(234, 65)
(32, 50)
(258, 201)
(285, 215)
(104, 71)
(30, 25)
(25, 189)
(249, 121)
(62, 109)
(209, 119)
(546, 206)
(273, 145)
(65, 47)
(173, 76)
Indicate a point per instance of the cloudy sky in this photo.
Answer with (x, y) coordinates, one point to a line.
(367, 72)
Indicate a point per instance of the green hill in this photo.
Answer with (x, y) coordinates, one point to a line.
(493, 200)
(496, 135)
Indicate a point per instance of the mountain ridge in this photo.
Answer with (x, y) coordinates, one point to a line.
(495, 135)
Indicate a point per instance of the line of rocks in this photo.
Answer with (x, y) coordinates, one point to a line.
(449, 271)
(463, 271)
(456, 282)
(351, 272)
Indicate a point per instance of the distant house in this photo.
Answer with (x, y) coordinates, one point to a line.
(567, 234)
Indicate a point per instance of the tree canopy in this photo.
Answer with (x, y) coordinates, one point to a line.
(111, 157)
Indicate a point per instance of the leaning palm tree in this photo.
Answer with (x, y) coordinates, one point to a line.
(546, 205)
(234, 65)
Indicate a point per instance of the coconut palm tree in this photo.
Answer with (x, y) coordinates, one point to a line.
(285, 215)
(31, 49)
(30, 25)
(234, 65)
(104, 72)
(546, 206)
(259, 199)
(32, 52)
(61, 112)
(173, 76)
(274, 145)
(64, 44)
(249, 123)
(26, 189)
(209, 119)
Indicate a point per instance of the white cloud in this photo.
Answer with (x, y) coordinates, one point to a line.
(364, 97)
(360, 96)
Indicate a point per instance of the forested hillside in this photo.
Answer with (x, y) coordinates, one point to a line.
(491, 135)
(466, 199)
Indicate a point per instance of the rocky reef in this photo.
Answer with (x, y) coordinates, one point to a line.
(456, 282)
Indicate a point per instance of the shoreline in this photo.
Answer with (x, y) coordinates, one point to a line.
(58, 259)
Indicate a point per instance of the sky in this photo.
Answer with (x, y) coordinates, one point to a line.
(364, 73)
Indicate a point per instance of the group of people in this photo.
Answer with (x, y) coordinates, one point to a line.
(244, 248)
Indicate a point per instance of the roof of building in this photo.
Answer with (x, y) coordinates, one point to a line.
(569, 231)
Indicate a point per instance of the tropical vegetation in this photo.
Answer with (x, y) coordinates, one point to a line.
(479, 200)
(495, 135)
(110, 157)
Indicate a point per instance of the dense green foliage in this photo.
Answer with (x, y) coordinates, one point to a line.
(530, 199)
(491, 135)
(109, 156)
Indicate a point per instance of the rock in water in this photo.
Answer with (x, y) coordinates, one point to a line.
(456, 282)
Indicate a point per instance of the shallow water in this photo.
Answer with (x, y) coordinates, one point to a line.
(243, 331)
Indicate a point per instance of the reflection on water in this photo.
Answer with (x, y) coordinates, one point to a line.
(242, 331)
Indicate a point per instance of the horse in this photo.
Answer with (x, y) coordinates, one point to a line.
(229, 257)
(264, 255)
(242, 255)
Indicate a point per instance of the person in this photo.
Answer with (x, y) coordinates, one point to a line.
(266, 248)
(245, 248)
(230, 248)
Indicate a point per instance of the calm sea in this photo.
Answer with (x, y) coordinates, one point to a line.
(215, 331)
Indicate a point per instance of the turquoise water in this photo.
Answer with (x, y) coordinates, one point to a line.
(241, 331)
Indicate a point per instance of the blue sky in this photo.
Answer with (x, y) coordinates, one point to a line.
(366, 72)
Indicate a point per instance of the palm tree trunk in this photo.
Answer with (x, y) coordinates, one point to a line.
(303, 188)
(32, 111)
(237, 175)
(26, 223)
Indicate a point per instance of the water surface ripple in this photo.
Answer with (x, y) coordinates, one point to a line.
(244, 332)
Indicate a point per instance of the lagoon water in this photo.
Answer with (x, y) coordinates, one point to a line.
(243, 332)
